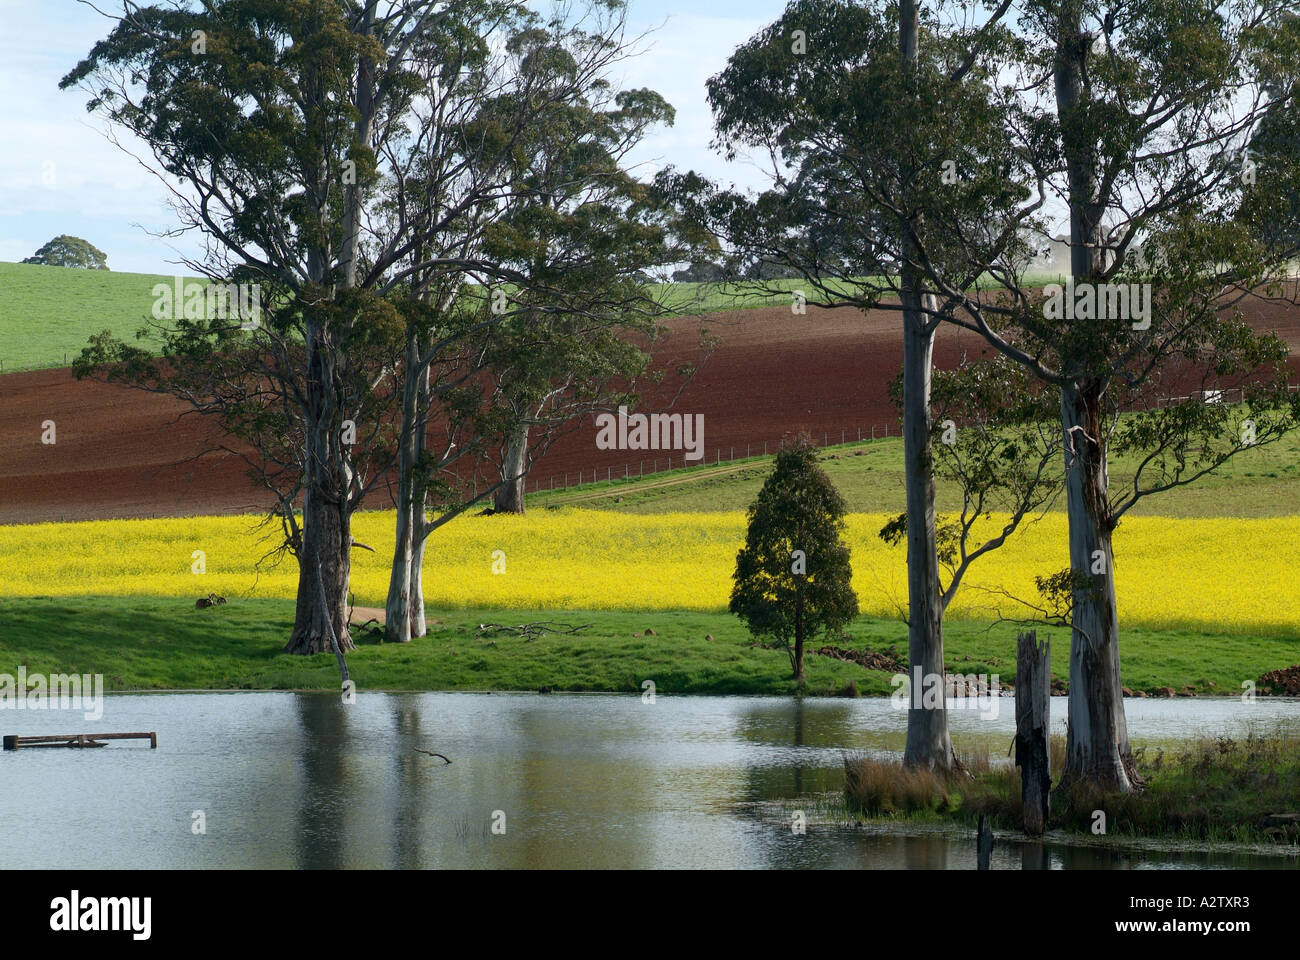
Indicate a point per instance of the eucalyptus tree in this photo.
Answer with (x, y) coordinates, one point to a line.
(878, 123)
(1270, 201)
(278, 127)
(531, 227)
(1149, 107)
(251, 112)
(584, 227)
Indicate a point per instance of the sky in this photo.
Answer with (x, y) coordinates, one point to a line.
(60, 175)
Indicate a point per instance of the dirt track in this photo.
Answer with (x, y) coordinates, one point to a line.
(124, 453)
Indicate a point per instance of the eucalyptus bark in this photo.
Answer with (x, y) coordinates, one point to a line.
(420, 527)
(365, 104)
(510, 496)
(404, 608)
(1097, 749)
(928, 744)
(421, 536)
(397, 608)
(324, 552)
(325, 545)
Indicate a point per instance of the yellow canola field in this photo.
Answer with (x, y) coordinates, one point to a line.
(1234, 575)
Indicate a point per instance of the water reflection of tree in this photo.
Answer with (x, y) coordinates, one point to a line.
(324, 795)
(798, 723)
(410, 799)
(579, 799)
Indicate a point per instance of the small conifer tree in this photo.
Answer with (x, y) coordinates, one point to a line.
(793, 575)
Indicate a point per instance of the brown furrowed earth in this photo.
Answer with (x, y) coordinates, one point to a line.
(126, 453)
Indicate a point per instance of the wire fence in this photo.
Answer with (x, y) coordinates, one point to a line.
(731, 453)
(1230, 395)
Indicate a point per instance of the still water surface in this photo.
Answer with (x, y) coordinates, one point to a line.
(303, 780)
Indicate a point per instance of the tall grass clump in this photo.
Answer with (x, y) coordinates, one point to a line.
(1241, 790)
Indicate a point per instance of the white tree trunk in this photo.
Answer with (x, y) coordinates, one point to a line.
(1097, 749)
(397, 608)
(419, 501)
(418, 626)
(928, 743)
(352, 202)
(510, 496)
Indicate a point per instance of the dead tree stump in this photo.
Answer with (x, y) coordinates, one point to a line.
(1033, 679)
(983, 844)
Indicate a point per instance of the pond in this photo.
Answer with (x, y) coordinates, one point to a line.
(283, 780)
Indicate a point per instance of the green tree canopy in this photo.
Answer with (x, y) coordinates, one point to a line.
(66, 251)
(793, 574)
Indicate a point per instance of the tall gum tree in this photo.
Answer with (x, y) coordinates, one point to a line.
(1147, 108)
(876, 124)
(277, 127)
(584, 226)
(528, 235)
(256, 116)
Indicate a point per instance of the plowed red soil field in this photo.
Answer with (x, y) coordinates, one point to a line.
(125, 453)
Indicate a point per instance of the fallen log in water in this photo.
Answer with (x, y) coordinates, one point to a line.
(79, 740)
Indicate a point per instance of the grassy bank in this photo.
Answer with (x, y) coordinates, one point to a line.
(1221, 789)
(164, 643)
